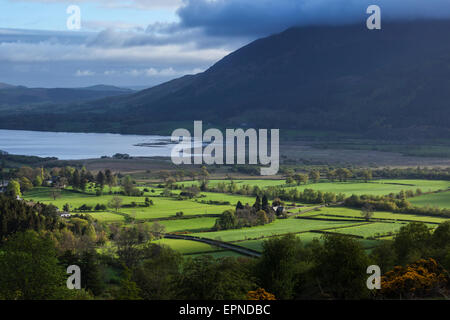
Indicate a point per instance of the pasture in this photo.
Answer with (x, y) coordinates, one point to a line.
(374, 187)
(278, 227)
(306, 226)
(440, 200)
(162, 208)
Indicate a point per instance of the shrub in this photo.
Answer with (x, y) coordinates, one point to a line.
(260, 294)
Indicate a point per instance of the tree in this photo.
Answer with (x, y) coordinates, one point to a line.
(411, 242)
(289, 180)
(88, 261)
(13, 189)
(257, 205)
(343, 174)
(91, 277)
(157, 229)
(84, 179)
(204, 278)
(226, 221)
(265, 203)
(2, 174)
(110, 179)
(193, 175)
(261, 217)
(55, 192)
(130, 242)
(301, 178)
(66, 208)
(76, 179)
(25, 184)
(158, 275)
(128, 289)
(148, 202)
(100, 180)
(170, 182)
(367, 211)
(239, 205)
(37, 182)
(341, 267)
(331, 175)
(29, 269)
(278, 267)
(115, 203)
(315, 176)
(204, 174)
(367, 175)
(384, 255)
(26, 172)
(128, 187)
(441, 235)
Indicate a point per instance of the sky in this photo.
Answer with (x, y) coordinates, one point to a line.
(141, 43)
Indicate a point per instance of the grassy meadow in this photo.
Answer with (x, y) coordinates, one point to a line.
(199, 216)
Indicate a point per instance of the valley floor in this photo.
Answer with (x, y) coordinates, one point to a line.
(306, 221)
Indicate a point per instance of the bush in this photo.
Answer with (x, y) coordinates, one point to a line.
(423, 278)
(100, 207)
(85, 207)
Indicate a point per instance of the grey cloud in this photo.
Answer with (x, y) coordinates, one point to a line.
(253, 17)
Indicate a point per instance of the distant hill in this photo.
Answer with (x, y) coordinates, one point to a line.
(5, 85)
(106, 88)
(392, 83)
(14, 96)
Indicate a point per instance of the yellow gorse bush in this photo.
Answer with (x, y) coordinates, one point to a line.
(419, 279)
(260, 294)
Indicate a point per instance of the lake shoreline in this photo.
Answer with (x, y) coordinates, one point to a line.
(82, 145)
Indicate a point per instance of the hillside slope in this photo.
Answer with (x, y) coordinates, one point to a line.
(15, 96)
(389, 83)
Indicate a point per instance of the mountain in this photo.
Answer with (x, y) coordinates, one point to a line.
(5, 86)
(106, 88)
(392, 83)
(14, 96)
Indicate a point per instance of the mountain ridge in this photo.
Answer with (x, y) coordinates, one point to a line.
(384, 83)
(11, 95)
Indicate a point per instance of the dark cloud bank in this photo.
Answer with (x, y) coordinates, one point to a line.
(259, 17)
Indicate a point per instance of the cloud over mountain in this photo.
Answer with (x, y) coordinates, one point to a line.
(250, 17)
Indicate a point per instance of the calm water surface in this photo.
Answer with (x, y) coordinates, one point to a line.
(69, 145)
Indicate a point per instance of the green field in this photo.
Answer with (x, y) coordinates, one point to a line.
(441, 200)
(370, 230)
(379, 187)
(306, 238)
(191, 225)
(187, 246)
(375, 187)
(257, 182)
(195, 248)
(233, 199)
(308, 226)
(163, 207)
(106, 216)
(217, 254)
(282, 226)
(345, 213)
(257, 244)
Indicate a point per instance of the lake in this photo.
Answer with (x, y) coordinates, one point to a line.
(74, 146)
